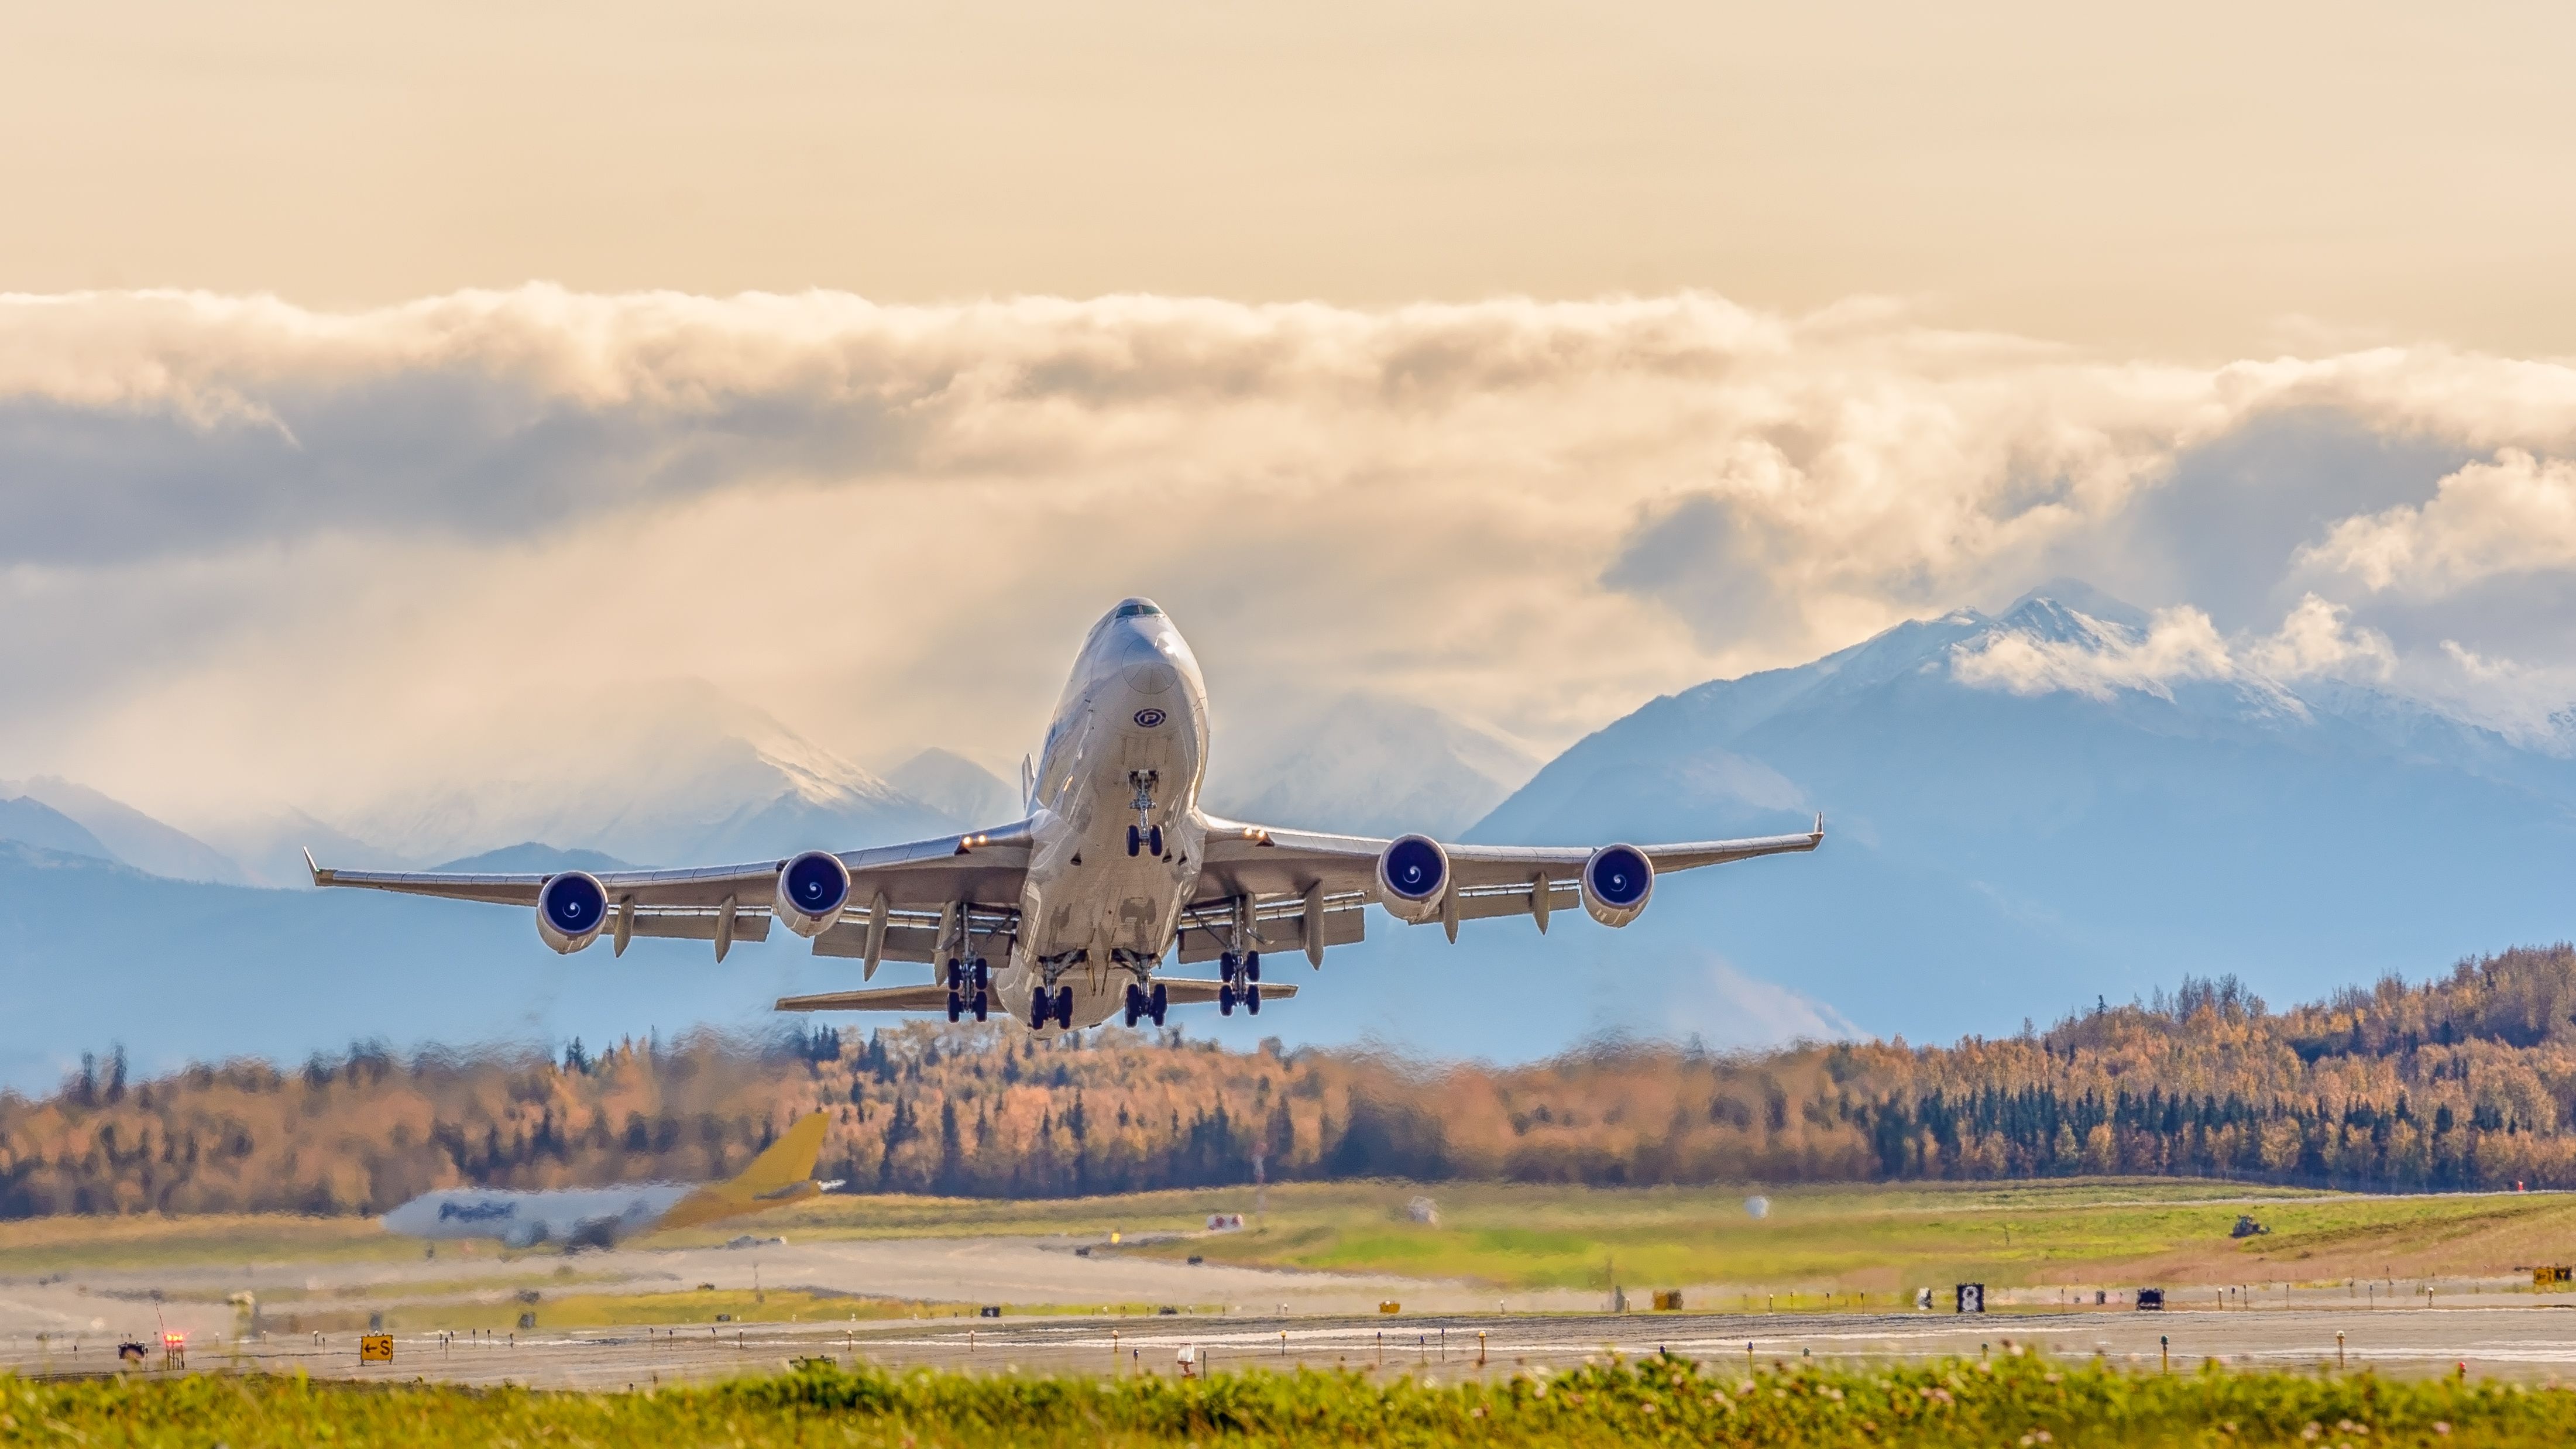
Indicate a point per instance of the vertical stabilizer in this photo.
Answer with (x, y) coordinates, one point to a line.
(782, 1174)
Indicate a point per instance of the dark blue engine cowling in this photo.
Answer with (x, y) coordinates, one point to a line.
(571, 908)
(1617, 881)
(812, 890)
(1412, 877)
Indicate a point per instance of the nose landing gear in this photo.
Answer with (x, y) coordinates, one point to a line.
(1144, 833)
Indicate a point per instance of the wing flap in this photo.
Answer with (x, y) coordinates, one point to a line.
(1278, 925)
(700, 925)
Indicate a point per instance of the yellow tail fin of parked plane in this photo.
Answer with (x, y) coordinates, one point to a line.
(782, 1174)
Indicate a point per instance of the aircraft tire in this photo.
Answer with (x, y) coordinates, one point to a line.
(1135, 1004)
(1252, 998)
(1161, 1003)
(1135, 840)
(982, 1004)
(954, 1006)
(1251, 965)
(1064, 1007)
(983, 976)
(1156, 837)
(1225, 998)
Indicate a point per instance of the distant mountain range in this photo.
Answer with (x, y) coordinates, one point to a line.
(2003, 842)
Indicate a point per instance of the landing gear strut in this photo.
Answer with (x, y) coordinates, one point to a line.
(1241, 982)
(968, 987)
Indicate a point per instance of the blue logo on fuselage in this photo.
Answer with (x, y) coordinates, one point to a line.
(1149, 718)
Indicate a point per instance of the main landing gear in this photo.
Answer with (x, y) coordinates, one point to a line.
(969, 988)
(1144, 833)
(1242, 982)
(1050, 1004)
(1141, 1003)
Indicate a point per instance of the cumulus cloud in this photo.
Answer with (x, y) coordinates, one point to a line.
(2516, 514)
(255, 552)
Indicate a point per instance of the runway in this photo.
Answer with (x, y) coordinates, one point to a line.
(2508, 1342)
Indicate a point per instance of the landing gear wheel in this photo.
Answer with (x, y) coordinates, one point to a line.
(1251, 965)
(1041, 1006)
(1162, 1003)
(1135, 1003)
(954, 1006)
(1135, 840)
(1155, 836)
(956, 977)
(1064, 1008)
(984, 977)
(982, 1003)
(1225, 999)
(1252, 998)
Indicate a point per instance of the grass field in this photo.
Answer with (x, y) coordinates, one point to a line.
(1869, 1239)
(2023, 1401)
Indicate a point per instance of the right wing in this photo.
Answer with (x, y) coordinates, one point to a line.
(1305, 889)
(922, 885)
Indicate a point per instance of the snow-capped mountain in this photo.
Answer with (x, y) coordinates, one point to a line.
(682, 775)
(2031, 809)
(1364, 764)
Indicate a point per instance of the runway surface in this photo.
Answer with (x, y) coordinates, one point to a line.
(2515, 1342)
(1057, 1316)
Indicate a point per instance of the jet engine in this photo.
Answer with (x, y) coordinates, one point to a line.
(1412, 875)
(1616, 882)
(571, 908)
(812, 889)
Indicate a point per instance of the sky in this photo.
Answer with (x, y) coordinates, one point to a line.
(384, 388)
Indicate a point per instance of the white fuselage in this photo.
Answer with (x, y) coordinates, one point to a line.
(1133, 721)
(595, 1216)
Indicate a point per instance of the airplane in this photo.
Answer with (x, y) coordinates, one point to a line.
(1067, 917)
(601, 1217)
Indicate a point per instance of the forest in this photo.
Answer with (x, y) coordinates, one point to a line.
(2464, 1081)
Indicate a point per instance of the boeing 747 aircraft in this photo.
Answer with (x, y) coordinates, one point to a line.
(599, 1217)
(1069, 916)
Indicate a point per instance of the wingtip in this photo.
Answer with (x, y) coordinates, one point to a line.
(1819, 831)
(320, 876)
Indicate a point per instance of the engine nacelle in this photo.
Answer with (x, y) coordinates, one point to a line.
(1412, 876)
(571, 908)
(1617, 881)
(812, 890)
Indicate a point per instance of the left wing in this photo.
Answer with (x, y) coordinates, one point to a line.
(1299, 889)
(956, 886)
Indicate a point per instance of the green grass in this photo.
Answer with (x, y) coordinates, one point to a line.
(2015, 1401)
(1886, 1240)
(1873, 1239)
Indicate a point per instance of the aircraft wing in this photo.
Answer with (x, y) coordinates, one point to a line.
(1303, 889)
(919, 883)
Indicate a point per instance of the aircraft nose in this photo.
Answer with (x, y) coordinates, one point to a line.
(1145, 664)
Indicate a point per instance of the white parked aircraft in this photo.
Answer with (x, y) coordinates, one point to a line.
(598, 1217)
(1067, 917)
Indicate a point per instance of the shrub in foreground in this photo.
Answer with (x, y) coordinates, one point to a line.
(2015, 1401)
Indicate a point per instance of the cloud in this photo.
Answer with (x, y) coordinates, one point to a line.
(2516, 514)
(2178, 645)
(253, 552)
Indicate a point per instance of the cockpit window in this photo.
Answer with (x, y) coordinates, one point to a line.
(1134, 607)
